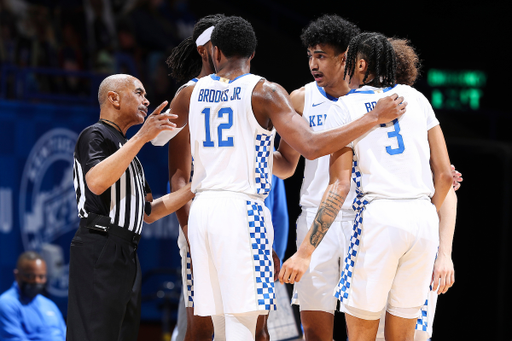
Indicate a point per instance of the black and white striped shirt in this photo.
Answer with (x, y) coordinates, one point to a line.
(124, 201)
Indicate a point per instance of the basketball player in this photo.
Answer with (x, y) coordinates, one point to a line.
(326, 40)
(232, 116)
(443, 276)
(190, 60)
(396, 251)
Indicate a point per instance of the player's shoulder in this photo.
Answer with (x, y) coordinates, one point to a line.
(298, 97)
(268, 89)
(411, 94)
(190, 83)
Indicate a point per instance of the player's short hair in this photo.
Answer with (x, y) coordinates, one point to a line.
(184, 61)
(378, 53)
(329, 29)
(408, 64)
(235, 37)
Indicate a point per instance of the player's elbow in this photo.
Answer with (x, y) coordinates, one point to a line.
(443, 179)
(312, 152)
(283, 173)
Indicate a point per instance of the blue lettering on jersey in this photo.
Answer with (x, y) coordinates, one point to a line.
(236, 93)
(369, 106)
(216, 96)
(317, 120)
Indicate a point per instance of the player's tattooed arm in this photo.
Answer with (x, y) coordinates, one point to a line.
(327, 212)
(340, 169)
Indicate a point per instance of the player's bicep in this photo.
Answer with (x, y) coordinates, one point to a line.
(179, 159)
(180, 105)
(273, 102)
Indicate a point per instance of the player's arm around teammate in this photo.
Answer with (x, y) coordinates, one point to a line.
(288, 153)
(272, 107)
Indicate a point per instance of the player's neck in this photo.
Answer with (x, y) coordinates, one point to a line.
(337, 90)
(234, 68)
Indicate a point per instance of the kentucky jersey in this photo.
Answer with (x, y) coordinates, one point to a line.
(231, 151)
(316, 172)
(394, 159)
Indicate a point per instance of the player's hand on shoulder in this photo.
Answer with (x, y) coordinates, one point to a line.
(388, 108)
(156, 122)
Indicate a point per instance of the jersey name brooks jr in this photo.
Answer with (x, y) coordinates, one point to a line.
(231, 151)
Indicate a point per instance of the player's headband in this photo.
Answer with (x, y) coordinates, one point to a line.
(205, 36)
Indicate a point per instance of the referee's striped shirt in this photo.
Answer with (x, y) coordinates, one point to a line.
(124, 201)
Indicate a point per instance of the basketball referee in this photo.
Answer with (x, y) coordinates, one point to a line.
(113, 199)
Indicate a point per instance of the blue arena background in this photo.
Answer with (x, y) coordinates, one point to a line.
(38, 205)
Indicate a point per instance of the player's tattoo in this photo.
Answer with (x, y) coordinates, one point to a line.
(326, 214)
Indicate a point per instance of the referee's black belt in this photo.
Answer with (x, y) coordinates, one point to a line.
(101, 224)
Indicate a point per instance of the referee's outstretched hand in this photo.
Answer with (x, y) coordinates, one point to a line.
(389, 108)
(156, 122)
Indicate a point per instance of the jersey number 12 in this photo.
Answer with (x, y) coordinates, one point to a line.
(208, 142)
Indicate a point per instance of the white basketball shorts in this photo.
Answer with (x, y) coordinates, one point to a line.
(187, 279)
(315, 289)
(231, 236)
(396, 255)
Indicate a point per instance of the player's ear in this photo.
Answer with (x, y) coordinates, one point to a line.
(217, 56)
(362, 65)
(201, 49)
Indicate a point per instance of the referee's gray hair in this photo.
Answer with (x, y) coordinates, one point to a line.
(111, 83)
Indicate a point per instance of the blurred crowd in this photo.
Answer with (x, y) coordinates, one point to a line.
(89, 38)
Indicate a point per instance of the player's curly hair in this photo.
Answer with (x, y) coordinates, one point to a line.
(408, 63)
(380, 56)
(184, 61)
(235, 37)
(329, 29)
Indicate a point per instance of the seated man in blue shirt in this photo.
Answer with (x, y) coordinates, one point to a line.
(24, 313)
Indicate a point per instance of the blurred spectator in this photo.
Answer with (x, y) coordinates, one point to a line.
(102, 34)
(95, 36)
(128, 55)
(8, 35)
(25, 314)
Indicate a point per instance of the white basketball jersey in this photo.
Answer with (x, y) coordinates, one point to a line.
(231, 151)
(394, 159)
(316, 172)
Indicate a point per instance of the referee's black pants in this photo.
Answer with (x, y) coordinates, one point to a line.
(104, 287)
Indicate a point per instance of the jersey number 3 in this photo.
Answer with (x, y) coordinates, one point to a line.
(223, 126)
(399, 139)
